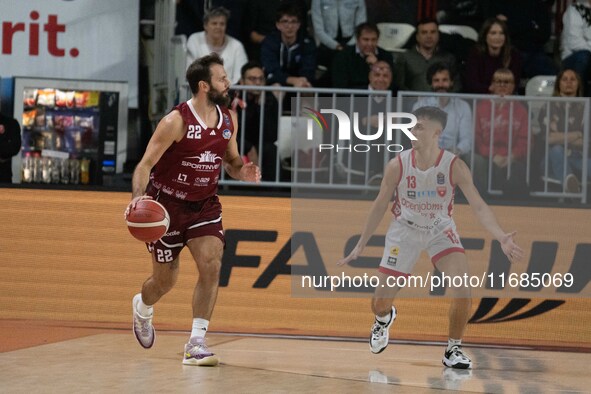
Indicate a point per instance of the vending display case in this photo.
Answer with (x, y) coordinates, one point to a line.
(73, 132)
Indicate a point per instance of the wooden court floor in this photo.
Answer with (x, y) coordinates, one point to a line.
(54, 359)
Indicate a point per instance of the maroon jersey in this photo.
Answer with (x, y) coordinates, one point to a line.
(190, 169)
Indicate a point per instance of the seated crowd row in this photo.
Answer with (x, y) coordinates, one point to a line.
(290, 57)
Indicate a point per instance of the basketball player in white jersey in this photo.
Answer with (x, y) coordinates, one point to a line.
(424, 179)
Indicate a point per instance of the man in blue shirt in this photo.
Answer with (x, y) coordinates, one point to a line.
(457, 135)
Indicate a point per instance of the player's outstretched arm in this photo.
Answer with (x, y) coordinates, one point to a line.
(378, 208)
(463, 178)
(233, 164)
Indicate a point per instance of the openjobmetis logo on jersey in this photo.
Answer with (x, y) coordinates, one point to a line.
(345, 134)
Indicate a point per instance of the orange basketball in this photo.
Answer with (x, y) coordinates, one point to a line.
(148, 221)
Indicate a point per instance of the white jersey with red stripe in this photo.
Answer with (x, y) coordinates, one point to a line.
(424, 199)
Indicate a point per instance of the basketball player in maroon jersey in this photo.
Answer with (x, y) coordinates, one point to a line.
(424, 179)
(180, 169)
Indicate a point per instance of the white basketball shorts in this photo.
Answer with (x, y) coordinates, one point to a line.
(405, 244)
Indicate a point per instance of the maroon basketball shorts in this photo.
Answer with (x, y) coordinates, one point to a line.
(188, 220)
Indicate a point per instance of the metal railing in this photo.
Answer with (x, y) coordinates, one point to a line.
(551, 187)
(332, 170)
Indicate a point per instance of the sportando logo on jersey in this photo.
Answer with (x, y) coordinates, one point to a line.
(347, 129)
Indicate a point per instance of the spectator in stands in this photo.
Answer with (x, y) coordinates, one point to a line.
(410, 72)
(509, 118)
(361, 165)
(381, 79)
(576, 40)
(259, 22)
(288, 55)
(563, 132)
(492, 52)
(334, 25)
(190, 13)
(529, 24)
(215, 39)
(251, 106)
(351, 66)
(457, 135)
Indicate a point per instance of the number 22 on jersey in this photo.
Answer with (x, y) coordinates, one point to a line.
(194, 132)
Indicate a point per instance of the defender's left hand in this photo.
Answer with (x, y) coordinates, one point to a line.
(510, 248)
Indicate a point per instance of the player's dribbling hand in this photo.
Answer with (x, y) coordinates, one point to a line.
(510, 248)
(133, 203)
(250, 172)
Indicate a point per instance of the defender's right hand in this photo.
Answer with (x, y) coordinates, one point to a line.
(352, 256)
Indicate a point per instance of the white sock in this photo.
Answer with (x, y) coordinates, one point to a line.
(143, 309)
(453, 342)
(199, 328)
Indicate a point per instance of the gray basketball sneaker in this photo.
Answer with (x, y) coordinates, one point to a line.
(197, 353)
(142, 326)
(378, 339)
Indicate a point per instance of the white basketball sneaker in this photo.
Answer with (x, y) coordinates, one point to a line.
(456, 358)
(378, 339)
(142, 326)
(197, 353)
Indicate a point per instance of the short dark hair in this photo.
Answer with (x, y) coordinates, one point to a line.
(425, 21)
(249, 66)
(215, 12)
(289, 10)
(432, 113)
(200, 70)
(366, 26)
(436, 68)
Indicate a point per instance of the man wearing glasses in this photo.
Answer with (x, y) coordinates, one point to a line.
(288, 57)
(501, 137)
(250, 105)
